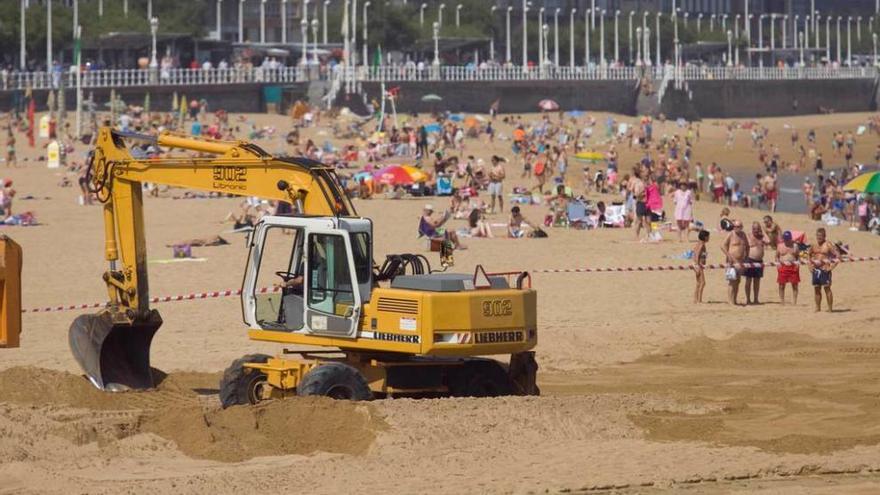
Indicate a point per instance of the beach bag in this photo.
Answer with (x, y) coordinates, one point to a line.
(730, 274)
(538, 234)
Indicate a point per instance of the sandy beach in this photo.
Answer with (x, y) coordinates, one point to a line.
(642, 391)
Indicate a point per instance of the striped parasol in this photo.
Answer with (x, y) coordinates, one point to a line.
(867, 183)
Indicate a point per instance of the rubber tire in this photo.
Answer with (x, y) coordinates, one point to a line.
(238, 381)
(482, 378)
(337, 381)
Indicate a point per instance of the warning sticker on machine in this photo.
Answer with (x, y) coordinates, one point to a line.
(408, 324)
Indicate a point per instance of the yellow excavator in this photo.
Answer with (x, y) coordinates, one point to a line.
(381, 331)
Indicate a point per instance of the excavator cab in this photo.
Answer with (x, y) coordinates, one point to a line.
(320, 268)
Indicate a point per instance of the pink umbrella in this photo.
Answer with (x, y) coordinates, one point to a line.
(548, 105)
(393, 175)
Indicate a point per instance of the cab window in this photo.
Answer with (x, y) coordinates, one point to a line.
(330, 288)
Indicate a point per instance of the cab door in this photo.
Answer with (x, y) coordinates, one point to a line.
(333, 300)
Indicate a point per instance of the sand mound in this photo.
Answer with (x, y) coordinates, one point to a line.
(184, 409)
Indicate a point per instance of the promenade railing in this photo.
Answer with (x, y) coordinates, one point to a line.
(123, 78)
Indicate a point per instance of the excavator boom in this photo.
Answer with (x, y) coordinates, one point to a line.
(113, 346)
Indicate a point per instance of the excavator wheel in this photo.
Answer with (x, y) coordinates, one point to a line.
(481, 378)
(337, 381)
(241, 385)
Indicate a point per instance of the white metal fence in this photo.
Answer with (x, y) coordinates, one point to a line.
(196, 77)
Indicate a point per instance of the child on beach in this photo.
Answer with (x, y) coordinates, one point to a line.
(700, 255)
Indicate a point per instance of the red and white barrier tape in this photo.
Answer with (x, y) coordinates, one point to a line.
(182, 297)
(658, 268)
(718, 266)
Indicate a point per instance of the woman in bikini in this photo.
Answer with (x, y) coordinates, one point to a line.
(700, 256)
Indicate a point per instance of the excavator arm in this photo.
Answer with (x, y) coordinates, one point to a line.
(113, 345)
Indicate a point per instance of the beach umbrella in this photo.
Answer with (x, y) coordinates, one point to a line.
(432, 98)
(456, 117)
(867, 183)
(471, 122)
(393, 175)
(417, 174)
(576, 114)
(548, 105)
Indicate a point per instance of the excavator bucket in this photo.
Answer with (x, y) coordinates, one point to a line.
(115, 357)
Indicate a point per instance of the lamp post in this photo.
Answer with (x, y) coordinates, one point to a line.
(588, 15)
(729, 48)
(100, 8)
(616, 37)
(366, 61)
(218, 19)
(304, 33)
(686, 16)
(772, 35)
(828, 39)
(839, 57)
(749, 35)
(674, 14)
(784, 32)
(646, 39)
(659, 60)
(794, 30)
(602, 38)
(736, 27)
(492, 37)
(125, 8)
(638, 61)
(436, 28)
(22, 43)
(284, 21)
(571, 38)
(262, 21)
(77, 60)
(849, 41)
(816, 29)
(149, 9)
(241, 21)
(874, 37)
(507, 56)
(323, 19)
(859, 29)
(154, 28)
(545, 45)
(48, 35)
(801, 38)
(807, 21)
(525, 37)
(724, 22)
(592, 12)
(315, 25)
(761, 40)
(541, 36)
(440, 14)
(712, 23)
(458, 15)
(629, 37)
(422, 14)
(556, 37)
(699, 23)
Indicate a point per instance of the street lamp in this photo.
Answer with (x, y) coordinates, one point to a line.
(629, 36)
(315, 24)
(839, 58)
(699, 23)
(638, 61)
(324, 19)
(48, 35)
(507, 56)
(801, 38)
(729, 48)
(365, 48)
(587, 17)
(874, 36)
(492, 37)
(724, 22)
(149, 9)
(686, 15)
(154, 27)
(545, 45)
(761, 40)
(219, 24)
(712, 23)
(749, 35)
(736, 27)
(541, 37)
(304, 33)
(284, 21)
(525, 37)
(440, 14)
(859, 28)
(828, 39)
(458, 15)
(262, 21)
(571, 38)
(616, 38)
(659, 60)
(602, 38)
(772, 35)
(421, 14)
(674, 14)
(784, 31)
(849, 41)
(646, 34)
(816, 29)
(22, 38)
(436, 27)
(556, 37)
(241, 21)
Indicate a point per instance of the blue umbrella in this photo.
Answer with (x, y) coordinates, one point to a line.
(456, 117)
(576, 113)
(366, 176)
(433, 128)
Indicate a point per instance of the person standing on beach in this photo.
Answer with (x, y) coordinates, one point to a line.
(788, 271)
(496, 183)
(771, 231)
(770, 190)
(683, 198)
(824, 259)
(700, 256)
(638, 191)
(754, 273)
(735, 249)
